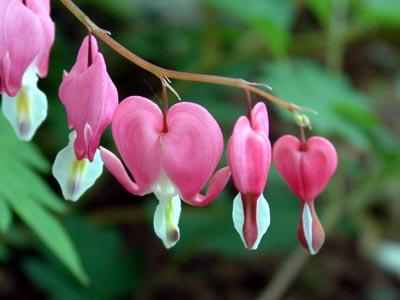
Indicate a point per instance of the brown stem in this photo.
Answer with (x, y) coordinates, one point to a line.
(90, 58)
(303, 141)
(165, 102)
(162, 72)
(249, 104)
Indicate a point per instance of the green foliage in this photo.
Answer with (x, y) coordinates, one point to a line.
(24, 192)
(380, 12)
(272, 19)
(112, 270)
(357, 109)
(322, 9)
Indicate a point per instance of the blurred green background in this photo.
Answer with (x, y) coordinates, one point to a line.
(338, 57)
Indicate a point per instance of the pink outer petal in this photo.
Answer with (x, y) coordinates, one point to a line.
(42, 9)
(82, 60)
(136, 128)
(306, 172)
(90, 98)
(318, 233)
(216, 185)
(192, 148)
(259, 120)
(249, 153)
(115, 166)
(250, 228)
(21, 37)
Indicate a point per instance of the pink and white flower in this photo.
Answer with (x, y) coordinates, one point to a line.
(90, 99)
(171, 155)
(306, 168)
(249, 157)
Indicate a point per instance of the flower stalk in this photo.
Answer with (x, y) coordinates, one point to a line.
(160, 72)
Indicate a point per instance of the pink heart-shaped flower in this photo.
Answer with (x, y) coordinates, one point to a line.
(188, 152)
(305, 171)
(306, 168)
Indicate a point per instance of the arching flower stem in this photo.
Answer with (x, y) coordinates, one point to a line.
(249, 104)
(163, 72)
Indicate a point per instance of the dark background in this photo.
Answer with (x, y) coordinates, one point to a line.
(340, 58)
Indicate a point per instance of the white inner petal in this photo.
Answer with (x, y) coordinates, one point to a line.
(75, 176)
(238, 216)
(263, 218)
(28, 109)
(168, 211)
(262, 215)
(307, 228)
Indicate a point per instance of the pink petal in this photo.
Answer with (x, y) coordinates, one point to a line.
(316, 232)
(136, 128)
(250, 230)
(20, 37)
(82, 60)
(90, 97)
(216, 185)
(259, 120)
(249, 153)
(306, 172)
(192, 147)
(42, 9)
(115, 166)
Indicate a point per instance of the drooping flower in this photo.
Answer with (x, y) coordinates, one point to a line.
(306, 168)
(249, 158)
(171, 155)
(27, 34)
(90, 99)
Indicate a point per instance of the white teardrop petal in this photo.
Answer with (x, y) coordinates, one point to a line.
(75, 176)
(307, 228)
(26, 111)
(166, 219)
(238, 216)
(262, 214)
(263, 219)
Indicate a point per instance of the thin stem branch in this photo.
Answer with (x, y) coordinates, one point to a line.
(303, 140)
(249, 103)
(163, 72)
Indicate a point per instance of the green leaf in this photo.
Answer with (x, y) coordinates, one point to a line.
(272, 18)
(5, 216)
(322, 9)
(19, 162)
(381, 12)
(47, 228)
(24, 191)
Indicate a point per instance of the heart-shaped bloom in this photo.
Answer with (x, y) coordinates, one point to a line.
(27, 34)
(172, 156)
(306, 168)
(249, 158)
(90, 98)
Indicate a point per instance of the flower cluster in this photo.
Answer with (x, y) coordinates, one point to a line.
(173, 153)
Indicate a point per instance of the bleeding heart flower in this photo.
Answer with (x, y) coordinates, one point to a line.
(90, 98)
(249, 158)
(27, 34)
(172, 156)
(307, 169)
